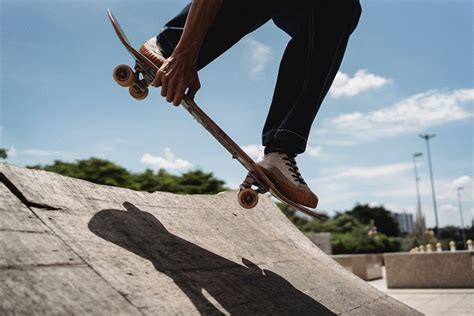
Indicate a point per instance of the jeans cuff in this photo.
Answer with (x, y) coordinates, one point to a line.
(286, 140)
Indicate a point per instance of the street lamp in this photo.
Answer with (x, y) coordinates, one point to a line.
(462, 219)
(427, 138)
(420, 220)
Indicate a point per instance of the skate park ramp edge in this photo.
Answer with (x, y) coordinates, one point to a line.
(69, 246)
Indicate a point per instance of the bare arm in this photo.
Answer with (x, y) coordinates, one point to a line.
(178, 73)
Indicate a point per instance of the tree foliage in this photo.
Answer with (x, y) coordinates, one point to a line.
(357, 241)
(348, 234)
(453, 233)
(101, 171)
(298, 221)
(382, 218)
(3, 153)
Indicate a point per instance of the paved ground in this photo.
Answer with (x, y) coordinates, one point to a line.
(433, 302)
(71, 247)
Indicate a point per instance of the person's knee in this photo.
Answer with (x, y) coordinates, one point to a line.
(341, 15)
(292, 21)
(345, 13)
(357, 12)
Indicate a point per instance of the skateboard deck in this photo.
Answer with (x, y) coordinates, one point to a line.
(138, 83)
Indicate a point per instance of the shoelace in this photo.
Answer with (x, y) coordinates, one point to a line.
(293, 167)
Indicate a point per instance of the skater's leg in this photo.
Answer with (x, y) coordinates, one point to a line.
(311, 60)
(234, 20)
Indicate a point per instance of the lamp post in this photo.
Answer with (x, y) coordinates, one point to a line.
(419, 215)
(427, 138)
(462, 219)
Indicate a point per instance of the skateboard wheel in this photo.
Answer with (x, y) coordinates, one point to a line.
(138, 93)
(248, 198)
(124, 75)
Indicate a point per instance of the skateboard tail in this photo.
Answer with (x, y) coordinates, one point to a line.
(147, 66)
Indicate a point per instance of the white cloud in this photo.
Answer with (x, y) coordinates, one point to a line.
(448, 207)
(368, 172)
(397, 208)
(341, 188)
(461, 181)
(414, 114)
(345, 86)
(167, 162)
(12, 153)
(36, 153)
(313, 151)
(43, 153)
(253, 150)
(258, 55)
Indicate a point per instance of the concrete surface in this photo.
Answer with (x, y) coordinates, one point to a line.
(432, 302)
(430, 269)
(68, 246)
(365, 266)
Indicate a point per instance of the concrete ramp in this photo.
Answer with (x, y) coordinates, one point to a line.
(68, 246)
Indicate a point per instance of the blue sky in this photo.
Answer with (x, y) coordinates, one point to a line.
(408, 70)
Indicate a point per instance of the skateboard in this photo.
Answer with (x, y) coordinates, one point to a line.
(142, 76)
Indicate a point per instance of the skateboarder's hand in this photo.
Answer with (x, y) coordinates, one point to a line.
(177, 76)
(178, 73)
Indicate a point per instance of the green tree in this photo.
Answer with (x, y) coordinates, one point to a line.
(108, 173)
(345, 223)
(199, 182)
(3, 153)
(93, 169)
(348, 234)
(382, 218)
(358, 241)
(298, 221)
(161, 181)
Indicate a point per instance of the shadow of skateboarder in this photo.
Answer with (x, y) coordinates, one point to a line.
(239, 289)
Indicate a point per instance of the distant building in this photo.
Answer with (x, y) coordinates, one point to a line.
(405, 222)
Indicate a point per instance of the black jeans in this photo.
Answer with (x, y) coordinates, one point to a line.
(319, 34)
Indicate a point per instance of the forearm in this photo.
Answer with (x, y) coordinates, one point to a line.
(199, 19)
(178, 73)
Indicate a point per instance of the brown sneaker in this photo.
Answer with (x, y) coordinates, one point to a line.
(152, 51)
(281, 168)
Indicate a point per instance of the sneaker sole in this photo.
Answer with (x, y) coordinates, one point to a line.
(294, 194)
(157, 59)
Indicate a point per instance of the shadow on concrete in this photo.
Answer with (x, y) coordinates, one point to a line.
(200, 273)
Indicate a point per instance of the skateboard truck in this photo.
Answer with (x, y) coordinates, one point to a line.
(125, 77)
(247, 196)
